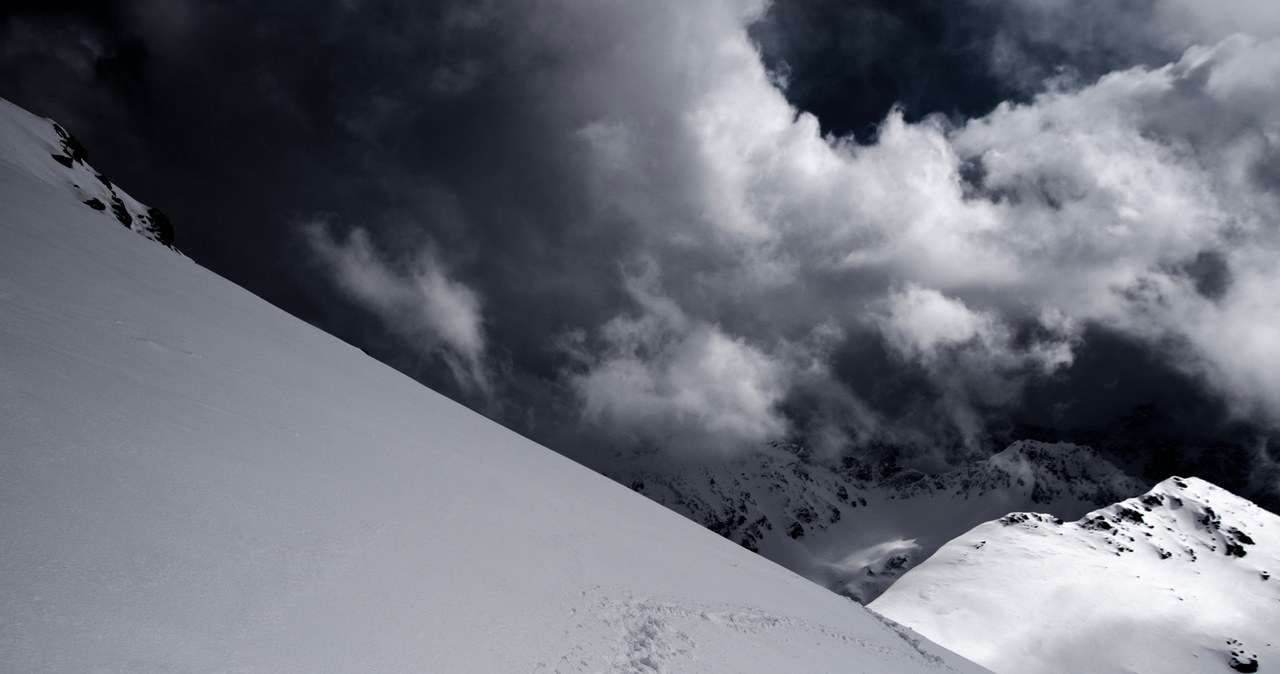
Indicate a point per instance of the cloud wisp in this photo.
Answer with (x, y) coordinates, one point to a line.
(416, 299)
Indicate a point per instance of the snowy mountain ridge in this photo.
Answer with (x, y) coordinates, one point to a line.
(1178, 579)
(47, 152)
(856, 527)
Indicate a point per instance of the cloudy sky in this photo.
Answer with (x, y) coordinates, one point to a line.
(692, 228)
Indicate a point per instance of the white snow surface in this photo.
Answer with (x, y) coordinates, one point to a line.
(1182, 579)
(193, 480)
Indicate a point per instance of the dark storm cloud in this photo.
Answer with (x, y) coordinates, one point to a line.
(849, 62)
(249, 121)
(604, 224)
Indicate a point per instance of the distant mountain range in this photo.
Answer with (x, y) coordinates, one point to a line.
(856, 528)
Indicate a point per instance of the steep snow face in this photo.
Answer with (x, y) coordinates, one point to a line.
(1178, 580)
(46, 152)
(192, 480)
(857, 528)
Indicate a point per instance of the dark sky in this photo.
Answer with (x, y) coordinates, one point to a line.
(694, 228)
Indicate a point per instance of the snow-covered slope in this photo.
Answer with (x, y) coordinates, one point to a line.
(1178, 580)
(192, 480)
(857, 528)
(49, 154)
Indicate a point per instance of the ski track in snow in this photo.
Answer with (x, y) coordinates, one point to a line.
(653, 635)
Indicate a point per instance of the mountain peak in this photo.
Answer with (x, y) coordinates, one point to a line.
(1180, 518)
(1177, 579)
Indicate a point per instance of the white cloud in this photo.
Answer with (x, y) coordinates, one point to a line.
(1085, 205)
(1116, 188)
(419, 302)
(680, 385)
(921, 322)
(978, 250)
(971, 356)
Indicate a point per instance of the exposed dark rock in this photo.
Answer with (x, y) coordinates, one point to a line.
(1240, 536)
(896, 564)
(1243, 663)
(1244, 666)
(1098, 523)
(71, 146)
(121, 213)
(160, 226)
(1210, 519)
(1131, 515)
